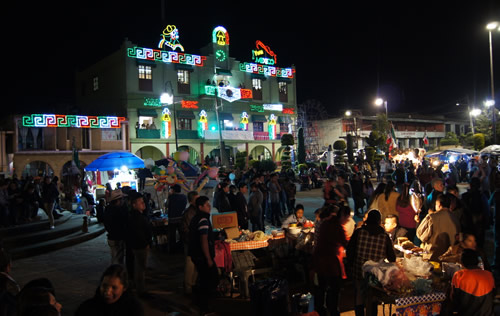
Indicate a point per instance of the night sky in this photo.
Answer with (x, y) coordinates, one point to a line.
(420, 57)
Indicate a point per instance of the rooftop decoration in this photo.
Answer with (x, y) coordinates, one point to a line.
(228, 93)
(267, 70)
(165, 56)
(170, 38)
(78, 121)
(220, 36)
(260, 53)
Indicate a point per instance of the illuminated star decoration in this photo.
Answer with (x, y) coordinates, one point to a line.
(166, 123)
(272, 126)
(170, 38)
(244, 121)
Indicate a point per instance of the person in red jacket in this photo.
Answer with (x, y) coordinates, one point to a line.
(473, 289)
(328, 259)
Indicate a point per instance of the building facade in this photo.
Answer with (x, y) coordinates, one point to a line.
(46, 144)
(175, 101)
(410, 129)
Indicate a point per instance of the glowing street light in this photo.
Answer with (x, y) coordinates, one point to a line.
(490, 27)
(380, 102)
(489, 103)
(348, 113)
(475, 112)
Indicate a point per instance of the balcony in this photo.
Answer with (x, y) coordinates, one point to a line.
(230, 135)
(187, 134)
(261, 135)
(148, 133)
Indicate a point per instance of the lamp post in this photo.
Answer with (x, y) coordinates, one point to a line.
(490, 27)
(168, 98)
(380, 102)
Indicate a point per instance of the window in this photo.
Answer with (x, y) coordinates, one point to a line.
(284, 127)
(85, 138)
(184, 124)
(183, 80)
(282, 86)
(222, 81)
(111, 134)
(257, 89)
(258, 126)
(96, 83)
(145, 78)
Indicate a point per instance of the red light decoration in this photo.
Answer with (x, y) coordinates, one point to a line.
(288, 111)
(246, 94)
(189, 104)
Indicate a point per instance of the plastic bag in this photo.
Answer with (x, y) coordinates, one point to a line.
(417, 266)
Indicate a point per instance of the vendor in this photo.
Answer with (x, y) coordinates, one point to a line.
(296, 218)
(467, 241)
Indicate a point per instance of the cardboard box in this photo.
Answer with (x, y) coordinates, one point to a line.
(232, 232)
(224, 220)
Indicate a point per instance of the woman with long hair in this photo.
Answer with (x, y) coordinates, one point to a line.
(379, 190)
(387, 202)
(406, 212)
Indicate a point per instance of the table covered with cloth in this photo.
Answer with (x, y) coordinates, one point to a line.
(427, 304)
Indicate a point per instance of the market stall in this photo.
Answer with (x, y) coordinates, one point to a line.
(412, 285)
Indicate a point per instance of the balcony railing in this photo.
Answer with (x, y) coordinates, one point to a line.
(148, 133)
(261, 135)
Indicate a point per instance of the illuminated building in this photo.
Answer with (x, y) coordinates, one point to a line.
(130, 82)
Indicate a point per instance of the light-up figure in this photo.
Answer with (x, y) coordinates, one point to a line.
(202, 123)
(170, 38)
(166, 123)
(272, 126)
(244, 121)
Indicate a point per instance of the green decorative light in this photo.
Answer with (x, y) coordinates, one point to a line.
(256, 108)
(152, 102)
(220, 55)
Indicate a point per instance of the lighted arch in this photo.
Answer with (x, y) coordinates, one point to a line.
(220, 36)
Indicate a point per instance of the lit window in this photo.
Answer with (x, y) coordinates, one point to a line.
(183, 76)
(256, 84)
(282, 87)
(145, 72)
(96, 83)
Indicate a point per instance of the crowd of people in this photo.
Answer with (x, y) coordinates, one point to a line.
(419, 203)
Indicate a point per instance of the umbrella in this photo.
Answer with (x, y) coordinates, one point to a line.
(115, 160)
(490, 150)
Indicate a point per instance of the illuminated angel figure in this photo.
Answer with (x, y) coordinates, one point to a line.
(166, 123)
(202, 123)
(244, 121)
(170, 38)
(272, 126)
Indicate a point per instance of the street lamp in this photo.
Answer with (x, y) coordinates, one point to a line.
(490, 27)
(473, 113)
(380, 102)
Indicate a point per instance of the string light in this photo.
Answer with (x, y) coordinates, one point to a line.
(220, 36)
(170, 38)
(166, 56)
(272, 126)
(244, 121)
(265, 70)
(166, 123)
(78, 121)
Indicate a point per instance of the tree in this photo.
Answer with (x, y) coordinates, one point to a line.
(286, 141)
(479, 141)
(301, 149)
(267, 165)
(376, 139)
(449, 140)
(241, 158)
(484, 125)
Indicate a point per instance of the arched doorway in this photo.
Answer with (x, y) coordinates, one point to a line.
(149, 152)
(261, 153)
(229, 151)
(37, 168)
(194, 156)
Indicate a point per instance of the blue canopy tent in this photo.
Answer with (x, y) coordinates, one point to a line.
(115, 160)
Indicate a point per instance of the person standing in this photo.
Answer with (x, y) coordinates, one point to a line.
(241, 206)
(49, 195)
(115, 222)
(190, 273)
(369, 242)
(328, 260)
(202, 252)
(139, 238)
(176, 204)
(439, 229)
(386, 203)
(290, 190)
(274, 198)
(223, 203)
(255, 207)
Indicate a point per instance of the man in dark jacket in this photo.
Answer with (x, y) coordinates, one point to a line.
(241, 206)
(49, 196)
(223, 204)
(115, 222)
(176, 204)
(139, 239)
